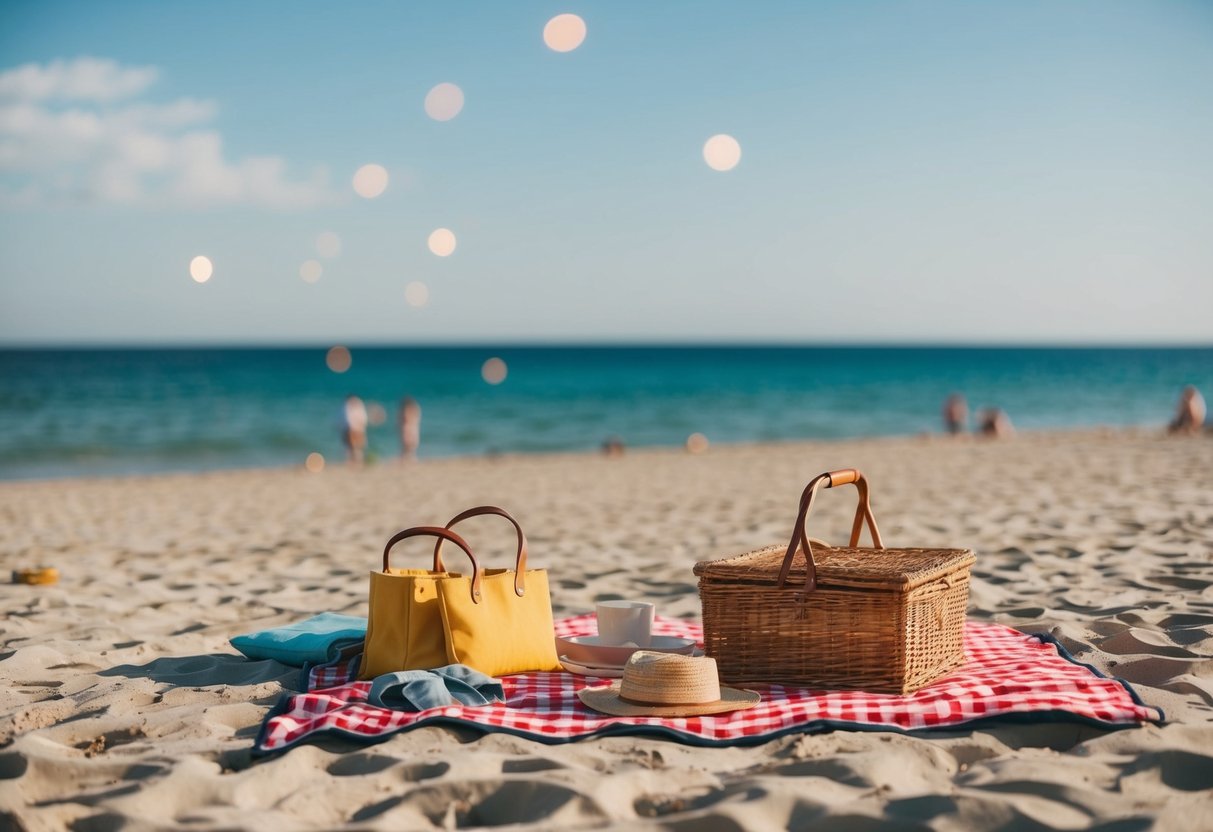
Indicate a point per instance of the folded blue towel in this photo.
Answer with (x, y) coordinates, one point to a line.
(418, 690)
(317, 640)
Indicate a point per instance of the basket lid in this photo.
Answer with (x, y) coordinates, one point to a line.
(895, 569)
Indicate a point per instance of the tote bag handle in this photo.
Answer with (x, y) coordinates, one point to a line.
(441, 534)
(519, 561)
(800, 538)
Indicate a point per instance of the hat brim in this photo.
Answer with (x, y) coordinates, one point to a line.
(606, 700)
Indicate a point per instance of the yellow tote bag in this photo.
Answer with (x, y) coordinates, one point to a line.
(505, 627)
(404, 629)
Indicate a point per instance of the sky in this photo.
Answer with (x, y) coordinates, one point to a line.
(927, 172)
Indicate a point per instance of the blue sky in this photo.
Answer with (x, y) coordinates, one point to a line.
(939, 172)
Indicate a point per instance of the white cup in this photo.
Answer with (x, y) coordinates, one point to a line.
(625, 622)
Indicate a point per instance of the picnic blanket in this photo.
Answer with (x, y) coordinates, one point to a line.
(1007, 675)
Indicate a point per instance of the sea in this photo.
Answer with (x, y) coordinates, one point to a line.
(86, 412)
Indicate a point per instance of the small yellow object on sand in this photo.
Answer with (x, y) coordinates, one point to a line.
(41, 575)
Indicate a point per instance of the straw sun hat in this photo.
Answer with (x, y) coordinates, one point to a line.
(667, 684)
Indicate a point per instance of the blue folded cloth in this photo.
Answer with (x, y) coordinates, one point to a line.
(417, 690)
(317, 640)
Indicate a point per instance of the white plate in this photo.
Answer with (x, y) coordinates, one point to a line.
(601, 671)
(591, 651)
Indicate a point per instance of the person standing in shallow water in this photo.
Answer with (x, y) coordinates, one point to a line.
(409, 422)
(1190, 414)
(353, 429)
(955, 414)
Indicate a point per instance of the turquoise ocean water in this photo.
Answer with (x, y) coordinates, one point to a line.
(85, 412)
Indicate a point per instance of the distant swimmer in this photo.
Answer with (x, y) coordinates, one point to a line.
(955, 414)
(1190, 414)
(995, 423)
(409, 422)
(613, 446)
(353, 429)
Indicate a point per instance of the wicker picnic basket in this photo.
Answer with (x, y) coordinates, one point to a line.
(881, 620)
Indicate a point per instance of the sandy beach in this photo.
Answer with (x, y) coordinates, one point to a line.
(122, 706)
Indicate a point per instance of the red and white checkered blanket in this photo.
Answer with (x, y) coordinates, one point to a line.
(1007, 673)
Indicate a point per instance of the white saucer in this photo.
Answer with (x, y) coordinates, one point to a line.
(657, 644)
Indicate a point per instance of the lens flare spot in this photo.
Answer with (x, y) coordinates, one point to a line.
(442, 242)
(376, 413)
(444, 102)
(201, 269)
(722, 152)
(417, 294)
(314, 462)
(564, 32)
(338, 359)
(311, 270)
(328, 244)
(370, 181)
(697, 443)
(494, 371)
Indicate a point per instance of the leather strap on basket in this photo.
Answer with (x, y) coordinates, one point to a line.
(800, 538)
(519, 561)
(441, 534)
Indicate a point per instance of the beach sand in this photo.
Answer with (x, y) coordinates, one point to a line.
(123, 707)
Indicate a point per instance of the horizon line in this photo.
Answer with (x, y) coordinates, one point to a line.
(30, 346)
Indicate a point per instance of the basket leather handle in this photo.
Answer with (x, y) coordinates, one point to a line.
(519, 561)
(441, 534)
(800, 538)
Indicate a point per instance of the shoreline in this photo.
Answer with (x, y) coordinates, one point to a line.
(394, 461)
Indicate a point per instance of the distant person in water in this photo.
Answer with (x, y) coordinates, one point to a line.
(1190, 414)
(995, 424)
(955, 414)
(409, 422)
(353, 429)
(613, 446)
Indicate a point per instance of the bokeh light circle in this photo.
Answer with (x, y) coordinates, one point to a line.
(201, 269)
(722, 152)
(564, 32)
(494, 371)
(442, 242)
(328, 244)
(338, 359)
(314, 462)
(376, 414)
(370, 181)
(444, 102)
(311, 270)
(697, 443)
(417, 294)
